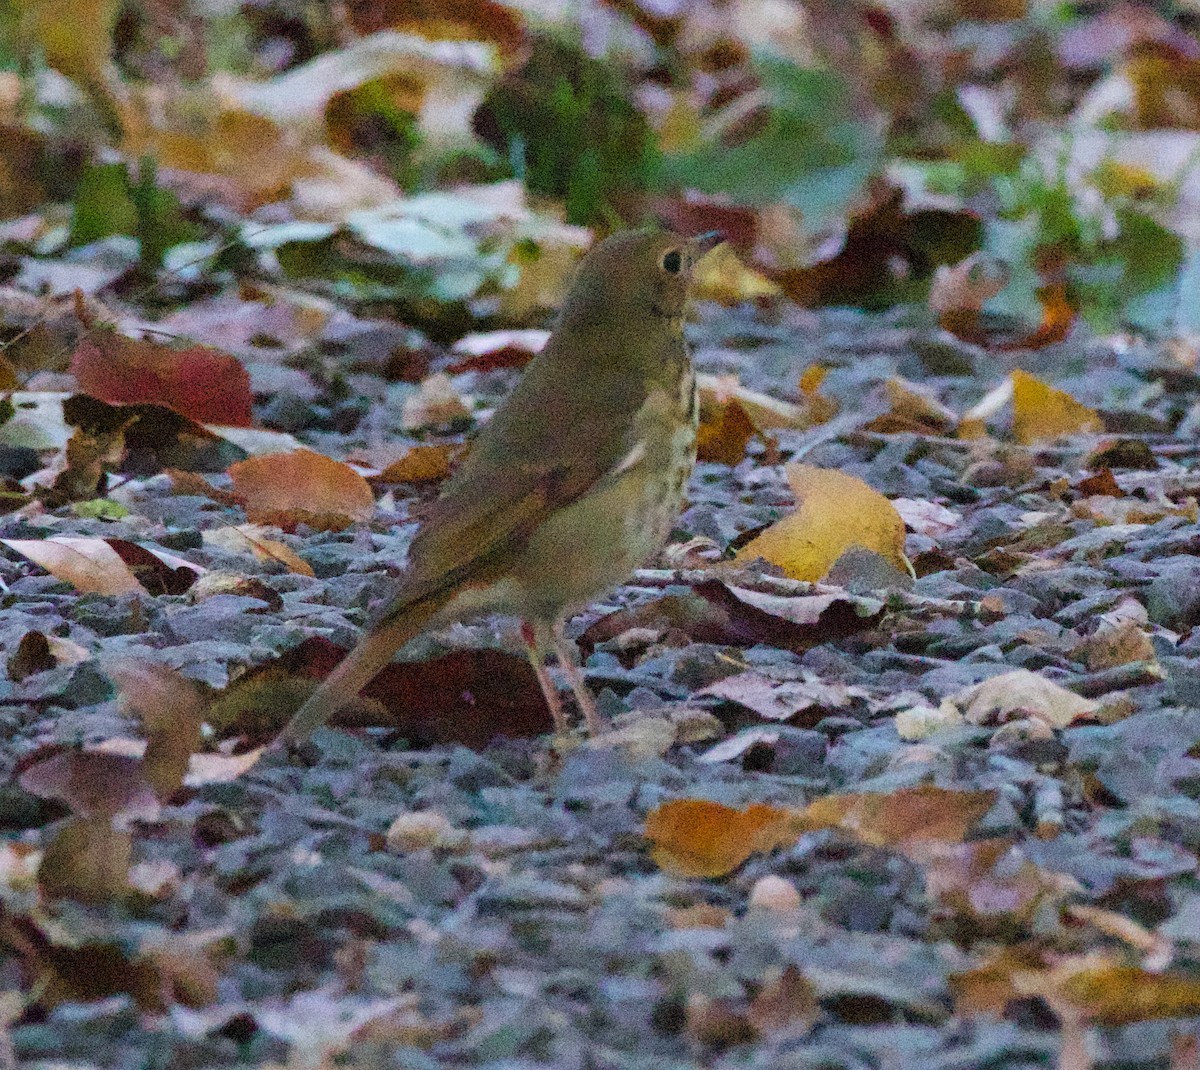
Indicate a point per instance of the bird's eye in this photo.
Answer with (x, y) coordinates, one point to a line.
(672, 261)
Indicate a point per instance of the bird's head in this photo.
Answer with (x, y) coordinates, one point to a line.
(636, 276)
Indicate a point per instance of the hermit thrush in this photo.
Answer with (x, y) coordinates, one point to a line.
(574, 482)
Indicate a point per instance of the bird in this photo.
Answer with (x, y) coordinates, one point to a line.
(574, 483)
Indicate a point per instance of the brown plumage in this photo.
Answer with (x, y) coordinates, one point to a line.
(573, 483)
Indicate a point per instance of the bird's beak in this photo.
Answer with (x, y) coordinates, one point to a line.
(706, 243)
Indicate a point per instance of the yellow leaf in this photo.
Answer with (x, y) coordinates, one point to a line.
(721, 276)
(834, 513)
(1040, 412)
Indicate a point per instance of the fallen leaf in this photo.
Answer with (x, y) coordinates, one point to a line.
(288, 489)
(421, 464)
(252, 539)
(1109, 647)
(763, 410)
(94, 785)
(1019, 694)
(698, 838)
(835, 512)
(203, 384)
(926, 518)
(90, 565)
(88, 859)
(492, 350)
(1042, 413)
(724, 277)
(905, 818)
(786, 1006)
(961, 290)
(1102, 483)
(172, 713)
(467, 697)
(434, 404)
(781, 700)
(913, 410)
(723, 433)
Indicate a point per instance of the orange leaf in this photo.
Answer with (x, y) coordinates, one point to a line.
(724, 433)
(698, 838)
(421, 464)
(909, 816)
(287, 489)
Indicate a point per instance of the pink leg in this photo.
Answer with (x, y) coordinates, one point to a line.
(568, 658)
(534, 649)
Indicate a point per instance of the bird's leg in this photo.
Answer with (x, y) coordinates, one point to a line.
(568, 658)
(534, 647)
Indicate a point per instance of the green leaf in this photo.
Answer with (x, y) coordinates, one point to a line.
(814, 152)
(103, 206)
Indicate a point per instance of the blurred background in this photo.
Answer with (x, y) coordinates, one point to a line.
(451, 158)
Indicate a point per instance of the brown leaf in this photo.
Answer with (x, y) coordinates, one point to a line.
(724, 433)
(717, 612)
(31, 656)
(1102, 483)
(94, 785)
(172, 712)
(88, 859)
(467, 697)
(786, 1006)
(493, 350)
(288, 489)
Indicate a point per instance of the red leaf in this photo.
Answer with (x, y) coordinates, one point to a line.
(201, 383)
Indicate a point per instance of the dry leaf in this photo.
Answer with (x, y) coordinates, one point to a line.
(252, 539)
(835, 512)
(172, 712)
(723, 276)
(907, 817)
(698, 838)
(202, 384)
(434, 404)
(421, 464)
(288, 489)
(90, 565)
(724, 433)
(963, 289)
(1019, 694)
(913, 410)
(1042, 413)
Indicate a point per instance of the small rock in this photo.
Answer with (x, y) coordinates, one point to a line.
(774, 894)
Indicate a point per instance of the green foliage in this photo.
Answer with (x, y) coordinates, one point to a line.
(108, 201)
(1121, 262)
(568, 130)
(814, 152)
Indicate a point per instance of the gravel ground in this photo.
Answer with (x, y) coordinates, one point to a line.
(514, 918)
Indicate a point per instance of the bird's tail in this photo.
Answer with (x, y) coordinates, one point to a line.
(361, 665)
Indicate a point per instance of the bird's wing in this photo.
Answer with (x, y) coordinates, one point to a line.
(544, 449)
